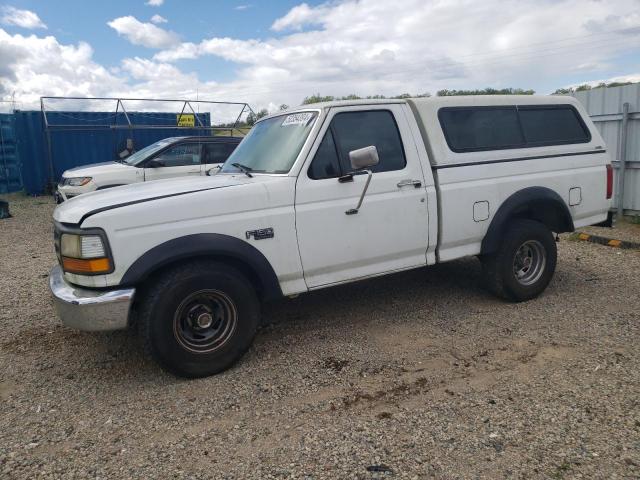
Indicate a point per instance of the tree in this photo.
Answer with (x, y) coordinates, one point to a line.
(317, 98)
(486, 91)
(586, 86)
(252, 118)
(283, 107)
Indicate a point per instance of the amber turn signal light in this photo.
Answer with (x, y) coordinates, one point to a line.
(83, 266)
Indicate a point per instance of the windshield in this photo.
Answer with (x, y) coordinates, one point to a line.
(146, 152)
(272, 145)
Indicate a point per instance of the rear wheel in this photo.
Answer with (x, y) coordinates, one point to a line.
(198, 319)
(524, 264)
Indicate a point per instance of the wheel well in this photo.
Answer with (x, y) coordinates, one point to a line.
(533, 203)
(545, 211)
(243, 267)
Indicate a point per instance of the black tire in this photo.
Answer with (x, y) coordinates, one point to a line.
(175, 309)
(501, 272)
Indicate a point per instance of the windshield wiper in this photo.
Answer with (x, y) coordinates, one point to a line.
(244, 169)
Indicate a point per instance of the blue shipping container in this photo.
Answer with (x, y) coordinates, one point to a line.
(10, 180)
(92, 139)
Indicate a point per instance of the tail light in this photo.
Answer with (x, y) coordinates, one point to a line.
(609, 181)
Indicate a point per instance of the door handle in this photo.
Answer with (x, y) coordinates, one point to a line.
(405, 183)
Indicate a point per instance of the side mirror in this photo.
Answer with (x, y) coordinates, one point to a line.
(213, 170)
(155, 163)
(362, 159)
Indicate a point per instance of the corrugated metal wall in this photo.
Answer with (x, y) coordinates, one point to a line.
(605, 108)
(10, 180)
(81, 146)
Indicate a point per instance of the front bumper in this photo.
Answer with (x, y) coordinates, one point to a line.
(90, 310)
(66, 192)
(62, 195)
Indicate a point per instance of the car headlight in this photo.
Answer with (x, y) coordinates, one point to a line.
(77, 181)
(84, 254)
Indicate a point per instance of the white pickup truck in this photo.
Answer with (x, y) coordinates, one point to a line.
(328, 194)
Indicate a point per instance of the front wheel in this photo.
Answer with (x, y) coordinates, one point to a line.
(199, 318)
(524, 264)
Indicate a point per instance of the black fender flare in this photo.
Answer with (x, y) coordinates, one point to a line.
(224, 247)
(103, 187)
(536, 203)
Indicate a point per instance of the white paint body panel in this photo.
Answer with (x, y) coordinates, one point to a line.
(390, 231)
(231, 205)
(460, 187)
(102, 175)
(162, 173)
(315, 243)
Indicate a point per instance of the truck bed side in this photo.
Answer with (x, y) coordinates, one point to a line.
(472, 186)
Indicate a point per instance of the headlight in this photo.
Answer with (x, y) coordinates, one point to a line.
(77, 181)
(84, 254)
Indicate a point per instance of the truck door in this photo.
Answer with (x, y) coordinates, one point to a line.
(390, 231)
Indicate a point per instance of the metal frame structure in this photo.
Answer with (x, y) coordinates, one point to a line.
(48, 128)
(616, 113)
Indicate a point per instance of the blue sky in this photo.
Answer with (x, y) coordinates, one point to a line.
(273, 52)
(72, 21)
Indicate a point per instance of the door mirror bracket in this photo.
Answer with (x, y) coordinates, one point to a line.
(213, 170)
(361, 160)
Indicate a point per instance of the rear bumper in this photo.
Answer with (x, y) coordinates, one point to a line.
(90, 310)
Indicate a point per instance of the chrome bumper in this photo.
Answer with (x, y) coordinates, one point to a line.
(90, 310)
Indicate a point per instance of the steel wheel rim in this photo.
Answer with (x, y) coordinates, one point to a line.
(205, 321)
(529, 262)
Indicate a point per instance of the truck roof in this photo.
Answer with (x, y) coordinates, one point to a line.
(470, 100)
(444, 101)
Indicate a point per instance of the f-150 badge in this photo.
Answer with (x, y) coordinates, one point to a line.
(260, 234)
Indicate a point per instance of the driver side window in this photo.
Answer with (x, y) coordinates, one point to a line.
(181, 155)
(353, 130)
(325, 164)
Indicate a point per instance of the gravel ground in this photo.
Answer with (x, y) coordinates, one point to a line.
(622, 230)
(416, 375)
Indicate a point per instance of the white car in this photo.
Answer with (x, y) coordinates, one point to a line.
(171, 157)
(328, 194)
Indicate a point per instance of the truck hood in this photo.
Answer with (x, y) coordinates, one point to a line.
(95, 169)
(76, 209)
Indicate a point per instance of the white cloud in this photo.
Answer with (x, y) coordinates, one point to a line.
(157, 19)
(154, 3)
(376, 46)
(632, 77)
(35, 66)
(145, 34)
(300, 16)
(21, 18)
(365, 47)
(242, 7)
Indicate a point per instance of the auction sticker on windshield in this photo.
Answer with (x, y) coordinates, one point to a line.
(297, 119)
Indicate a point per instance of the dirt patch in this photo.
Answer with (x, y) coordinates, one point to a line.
(421, 374)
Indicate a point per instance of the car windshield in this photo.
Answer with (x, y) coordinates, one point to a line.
(272, 145)
(146, 152)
